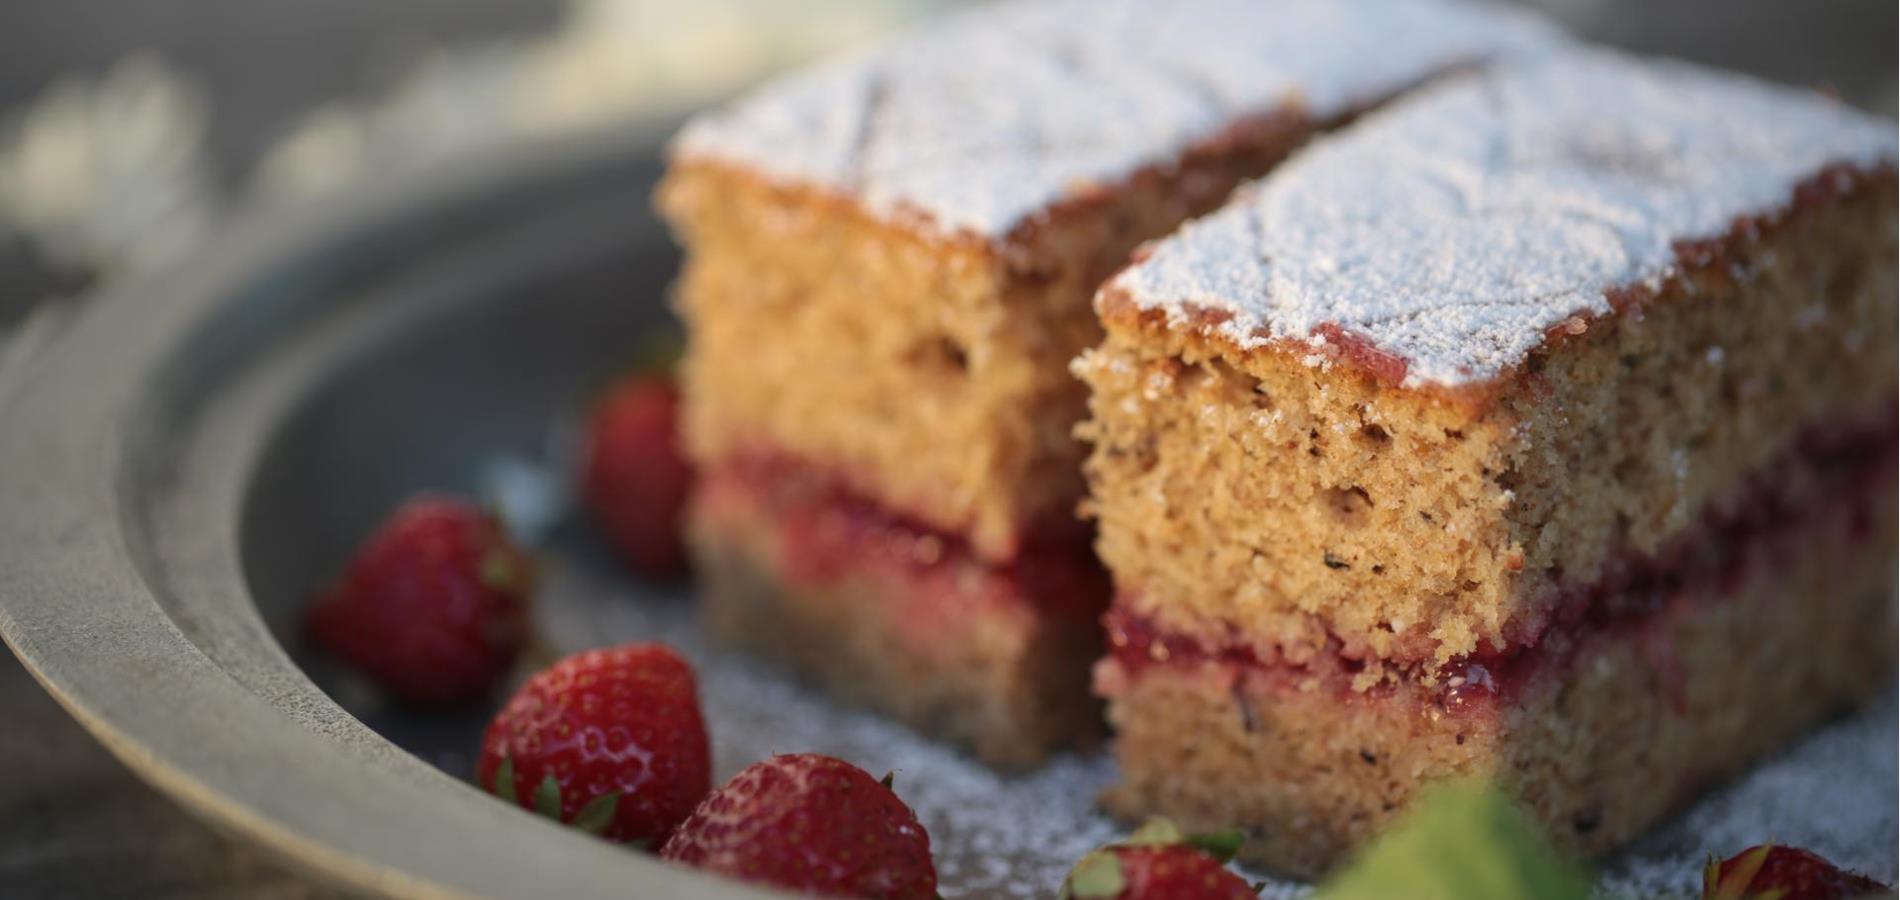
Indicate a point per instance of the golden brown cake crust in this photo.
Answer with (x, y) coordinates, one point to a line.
(1598, 755)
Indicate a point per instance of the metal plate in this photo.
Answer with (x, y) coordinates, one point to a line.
(154, 486)
(201, 450)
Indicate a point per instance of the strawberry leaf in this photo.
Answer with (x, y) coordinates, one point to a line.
(504, 786)
(1464, 841)
(598, 813)
(547, 798)
(1221, 845)
(889, 781)
(1097, 875)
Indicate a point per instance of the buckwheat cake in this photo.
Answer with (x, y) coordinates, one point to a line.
(889, 265)
(1540, 426)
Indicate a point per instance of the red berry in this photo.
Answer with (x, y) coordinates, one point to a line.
(811, 823)
(635, 478)
(1785, 873)
(608, 740)
(434, 606)
(1158, 862)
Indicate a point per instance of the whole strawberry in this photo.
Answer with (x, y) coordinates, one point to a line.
(810, 823)
(1158, 862)
(634, 477)
(1769, 872)
(610, 741)
(433, 607)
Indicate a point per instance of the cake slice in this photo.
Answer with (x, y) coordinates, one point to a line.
(889, 265)
(1540, 427)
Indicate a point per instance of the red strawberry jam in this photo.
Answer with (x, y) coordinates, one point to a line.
(827, 532)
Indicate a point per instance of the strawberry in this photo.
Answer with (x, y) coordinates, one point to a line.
(634, 477)
(434, 606)
(1769, 872)
(810, 823)
(610, 741)
(1158, 862)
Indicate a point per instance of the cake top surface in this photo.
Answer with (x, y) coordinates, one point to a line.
(980, 121)
(1455, 228)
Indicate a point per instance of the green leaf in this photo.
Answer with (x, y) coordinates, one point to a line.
(1098, 874)
(1464, 841)
(598, 813)
(889, 781)
(1154, 832)
(1221, 845)
(504, 786)
(547, 798)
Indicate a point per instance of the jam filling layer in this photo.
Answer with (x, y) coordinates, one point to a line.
(1831, 475)
(827, 533)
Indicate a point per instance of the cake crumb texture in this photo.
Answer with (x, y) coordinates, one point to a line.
(1318, 510)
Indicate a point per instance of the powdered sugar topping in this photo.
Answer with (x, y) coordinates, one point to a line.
(984, 120)
(1455, 228)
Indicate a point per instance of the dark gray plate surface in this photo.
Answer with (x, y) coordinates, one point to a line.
(201, 450)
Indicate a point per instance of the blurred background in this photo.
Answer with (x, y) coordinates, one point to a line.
(130, 128)
(131, 131)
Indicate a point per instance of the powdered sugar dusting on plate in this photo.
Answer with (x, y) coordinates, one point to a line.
(1454, 228)
(984, 119)
(1833, 793)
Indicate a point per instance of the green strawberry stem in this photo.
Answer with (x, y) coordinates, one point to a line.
(504, 786)
(547, 798)
(598, 813)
